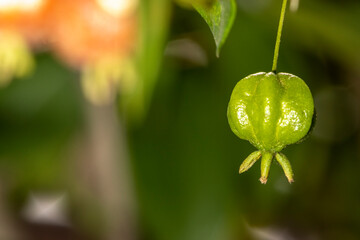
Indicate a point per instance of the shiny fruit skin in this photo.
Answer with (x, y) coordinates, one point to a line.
(271, 110)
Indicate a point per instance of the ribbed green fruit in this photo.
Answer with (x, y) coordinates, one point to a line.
(271, 111)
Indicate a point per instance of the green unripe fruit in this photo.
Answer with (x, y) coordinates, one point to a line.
(271, 111)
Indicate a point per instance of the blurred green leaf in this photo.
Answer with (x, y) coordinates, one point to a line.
(190, 3)
(332, 31)
(220, 17)
(154, 24)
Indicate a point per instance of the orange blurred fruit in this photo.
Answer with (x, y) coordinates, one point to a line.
(28, 18)
(85, 31)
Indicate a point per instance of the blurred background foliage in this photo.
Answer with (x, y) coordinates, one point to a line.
(184, 158)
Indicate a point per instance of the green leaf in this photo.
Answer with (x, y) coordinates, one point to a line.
(191, 3)
(220, 17)
(154, 25)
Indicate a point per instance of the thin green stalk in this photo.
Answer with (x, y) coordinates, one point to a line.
(278, 37)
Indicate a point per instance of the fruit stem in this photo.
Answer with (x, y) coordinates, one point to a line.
(278, 37)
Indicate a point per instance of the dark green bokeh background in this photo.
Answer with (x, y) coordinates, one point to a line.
(184, 156)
